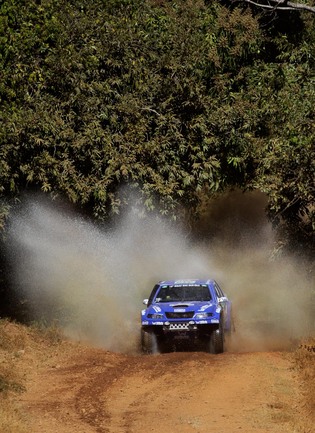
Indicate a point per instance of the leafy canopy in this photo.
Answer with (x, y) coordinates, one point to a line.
(180, 99)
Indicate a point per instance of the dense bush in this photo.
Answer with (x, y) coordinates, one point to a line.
(179, 99)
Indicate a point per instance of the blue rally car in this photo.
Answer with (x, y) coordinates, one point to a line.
(193, 311)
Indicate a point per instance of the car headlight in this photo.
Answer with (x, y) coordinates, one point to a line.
(155, 316)
(202, 315)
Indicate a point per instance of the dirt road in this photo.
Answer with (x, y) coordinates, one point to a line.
(187, 392)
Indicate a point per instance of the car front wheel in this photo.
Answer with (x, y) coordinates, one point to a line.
(216, 343)
(148, 342)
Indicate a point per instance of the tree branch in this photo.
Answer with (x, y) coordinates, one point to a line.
(150, 109)
(281, 5)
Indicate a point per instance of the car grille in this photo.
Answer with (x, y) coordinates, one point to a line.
(186, 315)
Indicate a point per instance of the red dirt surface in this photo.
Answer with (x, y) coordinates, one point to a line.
(94, 391)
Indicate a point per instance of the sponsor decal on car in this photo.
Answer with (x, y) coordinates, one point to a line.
(205, 307)
(177, 282)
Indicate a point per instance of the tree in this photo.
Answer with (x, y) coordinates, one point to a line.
(181, 100)
(105, 95)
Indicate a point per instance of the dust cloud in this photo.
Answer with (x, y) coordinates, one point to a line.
(92, 281)
(271, 291)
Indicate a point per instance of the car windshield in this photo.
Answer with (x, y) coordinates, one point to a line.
(183, 293)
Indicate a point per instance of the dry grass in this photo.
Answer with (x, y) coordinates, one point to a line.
(12, 343)
(304, 358)
(12, 419)
(20, 348)
(50, 335)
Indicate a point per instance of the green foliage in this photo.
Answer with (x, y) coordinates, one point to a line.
(286, 168)
(110, 93)
(179, 99)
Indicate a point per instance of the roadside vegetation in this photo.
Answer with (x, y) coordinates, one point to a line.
(21, 349)
(180, 100)
(304, 360)
(13, 340)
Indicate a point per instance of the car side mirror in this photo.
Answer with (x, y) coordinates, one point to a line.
(146, 301)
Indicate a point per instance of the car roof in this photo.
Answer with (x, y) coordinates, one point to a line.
(196, 282)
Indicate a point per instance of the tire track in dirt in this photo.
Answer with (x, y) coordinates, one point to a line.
(188, 392)
(193, 392)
